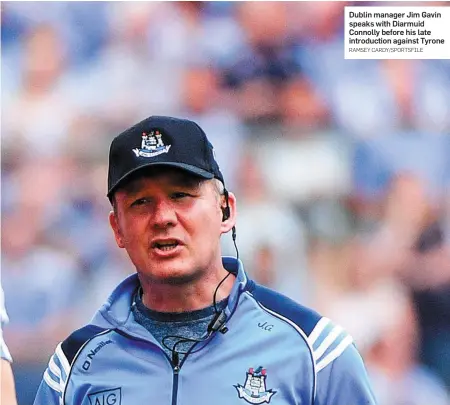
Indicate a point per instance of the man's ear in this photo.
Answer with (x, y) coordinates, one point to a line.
(113, 221)
(229, 222)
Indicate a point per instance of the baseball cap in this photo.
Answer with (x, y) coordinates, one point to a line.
(161, 141)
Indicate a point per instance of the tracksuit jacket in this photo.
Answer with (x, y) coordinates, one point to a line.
(274, 351)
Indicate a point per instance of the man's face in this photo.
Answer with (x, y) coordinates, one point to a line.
(170, 224)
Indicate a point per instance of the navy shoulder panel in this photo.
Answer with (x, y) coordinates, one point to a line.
(302, 316)
(73, 343)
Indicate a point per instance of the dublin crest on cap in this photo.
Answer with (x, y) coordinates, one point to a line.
(161, 141)
(152, 145)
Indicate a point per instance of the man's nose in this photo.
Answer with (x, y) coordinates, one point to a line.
(164, 214)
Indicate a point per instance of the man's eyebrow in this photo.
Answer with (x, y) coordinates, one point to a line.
(181, 179)
(187, 181)
(132, 187)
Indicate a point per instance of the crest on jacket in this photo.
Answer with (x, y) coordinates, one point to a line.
(254, 391)
(151, 145)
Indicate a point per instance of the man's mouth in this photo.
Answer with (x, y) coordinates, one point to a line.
(165, 245)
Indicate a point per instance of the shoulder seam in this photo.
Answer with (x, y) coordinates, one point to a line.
(63, 397)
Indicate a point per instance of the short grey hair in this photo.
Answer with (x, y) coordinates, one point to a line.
(219, 187)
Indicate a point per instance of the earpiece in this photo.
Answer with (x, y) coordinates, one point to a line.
(226, 209)
(225, 213)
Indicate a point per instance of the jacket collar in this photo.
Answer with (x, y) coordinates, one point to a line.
(116, 311)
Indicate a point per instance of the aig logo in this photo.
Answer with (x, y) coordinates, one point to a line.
(108, 397)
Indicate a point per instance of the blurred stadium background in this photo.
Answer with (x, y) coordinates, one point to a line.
(341, 168)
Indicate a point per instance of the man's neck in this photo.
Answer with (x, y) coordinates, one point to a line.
(186, 297)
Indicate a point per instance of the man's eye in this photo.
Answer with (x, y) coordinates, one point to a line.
(179, 195)
(139, 201)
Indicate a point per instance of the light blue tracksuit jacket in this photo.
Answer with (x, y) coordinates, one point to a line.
(275, 351)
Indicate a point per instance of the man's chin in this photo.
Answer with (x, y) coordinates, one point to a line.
(173, 277)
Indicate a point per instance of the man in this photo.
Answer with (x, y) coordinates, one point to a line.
(190, 327)
(8, 392)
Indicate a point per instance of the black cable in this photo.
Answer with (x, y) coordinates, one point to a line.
(211, 328)
(233, 236)
(215, 293)
(183, 340)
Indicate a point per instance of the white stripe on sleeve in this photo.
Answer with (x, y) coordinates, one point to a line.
(318, 329)
(51, 382)
(54, 368)
(335, 353)
(62, 359)
(327, 342)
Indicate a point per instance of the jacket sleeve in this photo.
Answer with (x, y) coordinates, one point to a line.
(51, 389)
(343, 380)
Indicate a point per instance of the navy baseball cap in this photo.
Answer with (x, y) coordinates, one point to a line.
(161, 141)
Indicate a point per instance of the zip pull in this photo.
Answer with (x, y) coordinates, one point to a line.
(175, 361)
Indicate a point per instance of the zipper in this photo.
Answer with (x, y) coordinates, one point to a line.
(176, 372)
(175, 362)
(176, 365)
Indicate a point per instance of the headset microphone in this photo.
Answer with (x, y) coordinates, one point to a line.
(218, 323)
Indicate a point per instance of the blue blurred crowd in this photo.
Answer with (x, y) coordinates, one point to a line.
(341, 168)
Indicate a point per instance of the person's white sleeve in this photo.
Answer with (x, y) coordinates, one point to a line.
(4, 352)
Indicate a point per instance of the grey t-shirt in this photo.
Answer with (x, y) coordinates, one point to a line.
(191, 324)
